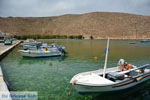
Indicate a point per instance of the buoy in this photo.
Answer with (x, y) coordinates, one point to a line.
(96, 58)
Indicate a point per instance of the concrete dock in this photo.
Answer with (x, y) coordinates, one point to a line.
(4, 50)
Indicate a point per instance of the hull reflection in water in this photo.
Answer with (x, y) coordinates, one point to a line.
(29, 60)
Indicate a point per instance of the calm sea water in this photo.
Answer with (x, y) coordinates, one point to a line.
(50, 76)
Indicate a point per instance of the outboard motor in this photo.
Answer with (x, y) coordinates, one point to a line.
(63, 50)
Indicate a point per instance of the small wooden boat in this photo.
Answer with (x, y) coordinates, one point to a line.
(110, 79)
(40, 53)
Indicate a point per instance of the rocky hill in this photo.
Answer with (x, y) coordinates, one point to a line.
(97, 24)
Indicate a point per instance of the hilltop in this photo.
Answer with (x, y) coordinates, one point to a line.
(97, 24)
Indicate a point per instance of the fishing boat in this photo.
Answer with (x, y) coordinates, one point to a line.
(40, 53)
(111, 79)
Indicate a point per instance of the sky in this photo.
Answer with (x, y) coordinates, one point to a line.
(44, 8)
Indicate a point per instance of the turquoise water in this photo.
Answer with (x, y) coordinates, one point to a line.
(50, 76)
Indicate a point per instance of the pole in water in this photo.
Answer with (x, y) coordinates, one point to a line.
(106, 57)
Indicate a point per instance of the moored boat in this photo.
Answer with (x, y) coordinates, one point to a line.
(118, 78)
(38, 50)
(31, 44)
(40, 53)
(34, 45)
(94, 82)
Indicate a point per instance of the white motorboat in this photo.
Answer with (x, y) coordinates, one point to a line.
(31, 44)
(38, 46)
(40, 53)
(93, 81)
(110, 79)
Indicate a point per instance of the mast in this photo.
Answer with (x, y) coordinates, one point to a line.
(106, 57)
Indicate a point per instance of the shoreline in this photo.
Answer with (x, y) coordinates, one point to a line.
(101, 39)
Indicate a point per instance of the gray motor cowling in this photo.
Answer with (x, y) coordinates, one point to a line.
(119, 76)
(116, 75)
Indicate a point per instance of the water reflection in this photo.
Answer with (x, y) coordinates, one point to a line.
(139, 92)
(27, 60)
(51, 76)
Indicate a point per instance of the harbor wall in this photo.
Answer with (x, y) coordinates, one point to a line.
(3, 52)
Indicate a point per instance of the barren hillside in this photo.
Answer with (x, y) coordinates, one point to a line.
(97, 24)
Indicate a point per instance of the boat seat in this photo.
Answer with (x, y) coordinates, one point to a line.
(115, 76)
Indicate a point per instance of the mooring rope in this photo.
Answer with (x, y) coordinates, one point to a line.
(72, 86)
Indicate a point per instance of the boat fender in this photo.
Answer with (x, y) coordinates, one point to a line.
(124, 68)
(46, 49)
(139, 78)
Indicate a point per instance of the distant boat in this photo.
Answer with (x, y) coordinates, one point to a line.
(111, 79)
(145, 41)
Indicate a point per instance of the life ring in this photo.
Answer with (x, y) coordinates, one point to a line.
(124, 69)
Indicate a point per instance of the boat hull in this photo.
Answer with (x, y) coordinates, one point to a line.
(86, 89)
(39, 54)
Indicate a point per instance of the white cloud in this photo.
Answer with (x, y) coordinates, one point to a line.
(59, 7)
